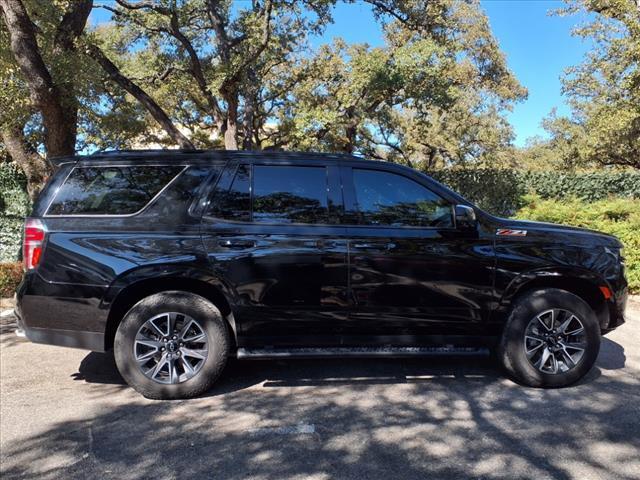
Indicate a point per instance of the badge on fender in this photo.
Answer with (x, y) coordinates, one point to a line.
(511, 233)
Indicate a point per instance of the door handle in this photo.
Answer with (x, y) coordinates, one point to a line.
(237, 243)
(373, 245)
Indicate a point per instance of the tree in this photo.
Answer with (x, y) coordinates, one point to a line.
(54, 98)
(213, 73)
(217, 54)
(52, 92)
(433, 95)
(43, 74)
(604, 90)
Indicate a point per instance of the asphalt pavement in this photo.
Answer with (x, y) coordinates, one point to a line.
(67, 414)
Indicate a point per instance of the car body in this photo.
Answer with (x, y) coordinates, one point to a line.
(292, 272)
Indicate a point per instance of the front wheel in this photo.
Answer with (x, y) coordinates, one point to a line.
(551, 339)
(171, 345)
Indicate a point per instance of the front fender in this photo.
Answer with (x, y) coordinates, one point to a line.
(551, 277)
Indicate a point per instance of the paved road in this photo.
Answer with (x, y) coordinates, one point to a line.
(66, 414)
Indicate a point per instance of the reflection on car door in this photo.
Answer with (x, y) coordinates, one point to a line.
(411, 271)
(271, 233)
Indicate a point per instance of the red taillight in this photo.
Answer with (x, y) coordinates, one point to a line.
(34, 233)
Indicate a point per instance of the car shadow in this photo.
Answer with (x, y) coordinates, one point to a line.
(239, 375)
(448, 418)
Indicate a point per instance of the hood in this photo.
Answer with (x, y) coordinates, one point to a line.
(560, 232)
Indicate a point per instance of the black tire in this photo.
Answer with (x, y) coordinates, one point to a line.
(196, 307)
(511, 349)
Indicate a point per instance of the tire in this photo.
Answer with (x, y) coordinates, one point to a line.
(141, 329)
(531, 315)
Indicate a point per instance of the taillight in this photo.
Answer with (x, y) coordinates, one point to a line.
(34, 233)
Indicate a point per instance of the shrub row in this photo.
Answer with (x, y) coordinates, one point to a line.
(14, 206)
(619, 217)
(501, 191)
(10, 276)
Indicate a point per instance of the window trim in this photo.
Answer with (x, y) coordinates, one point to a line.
(112, 215)
(351, 202)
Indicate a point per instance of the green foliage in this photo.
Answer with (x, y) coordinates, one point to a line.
(14, 206)
(604, 90)
(501, 191)
(619, 217)
(434, 94)
(10, 276)
(588, 187)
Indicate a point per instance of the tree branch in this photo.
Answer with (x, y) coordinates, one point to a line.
(73, 22)
(149, 103)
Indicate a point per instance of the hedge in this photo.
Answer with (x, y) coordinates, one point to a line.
(501, 191)
(10, 276)
(14, 206)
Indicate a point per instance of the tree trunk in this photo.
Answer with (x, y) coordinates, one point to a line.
(231, 133)
(350, 131)
(34, 166)
(59, 121)
(247, 127)
(149, 103)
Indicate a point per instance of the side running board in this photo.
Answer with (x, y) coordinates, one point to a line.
(361, 352)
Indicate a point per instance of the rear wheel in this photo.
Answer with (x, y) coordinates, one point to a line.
(172, 345)
(551, 339)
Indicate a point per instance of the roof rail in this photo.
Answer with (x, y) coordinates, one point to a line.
(102, 153)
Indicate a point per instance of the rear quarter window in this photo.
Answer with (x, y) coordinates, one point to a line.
(111, 190)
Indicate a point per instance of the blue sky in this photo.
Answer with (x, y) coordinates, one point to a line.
(538, 48)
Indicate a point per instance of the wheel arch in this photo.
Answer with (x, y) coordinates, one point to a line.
(128, 296)
(583, 284)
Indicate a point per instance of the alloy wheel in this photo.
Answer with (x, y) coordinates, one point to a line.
(170, 348)
(555, 341)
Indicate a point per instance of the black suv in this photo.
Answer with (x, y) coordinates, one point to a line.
(178, 260)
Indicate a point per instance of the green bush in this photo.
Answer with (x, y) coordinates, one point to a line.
(501, 191)
(14, 206)
(10, 276)
(619, 217)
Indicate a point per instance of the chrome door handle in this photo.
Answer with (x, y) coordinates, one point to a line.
(237, 243)
(379, 246)
(364, 245)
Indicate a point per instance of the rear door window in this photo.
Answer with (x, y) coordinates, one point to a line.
(112, 190)
(235, 203)
(290, 194)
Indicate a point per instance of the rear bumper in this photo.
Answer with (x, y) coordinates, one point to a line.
(60, 314)
(63, 338)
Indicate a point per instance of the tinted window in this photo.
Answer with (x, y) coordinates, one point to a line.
(289, 194)
(385, 198)
(235, 204)
(110, 190)
(174, 203)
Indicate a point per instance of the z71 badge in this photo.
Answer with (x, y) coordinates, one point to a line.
(511, 233)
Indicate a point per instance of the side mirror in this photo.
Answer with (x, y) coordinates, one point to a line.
(465, 217)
